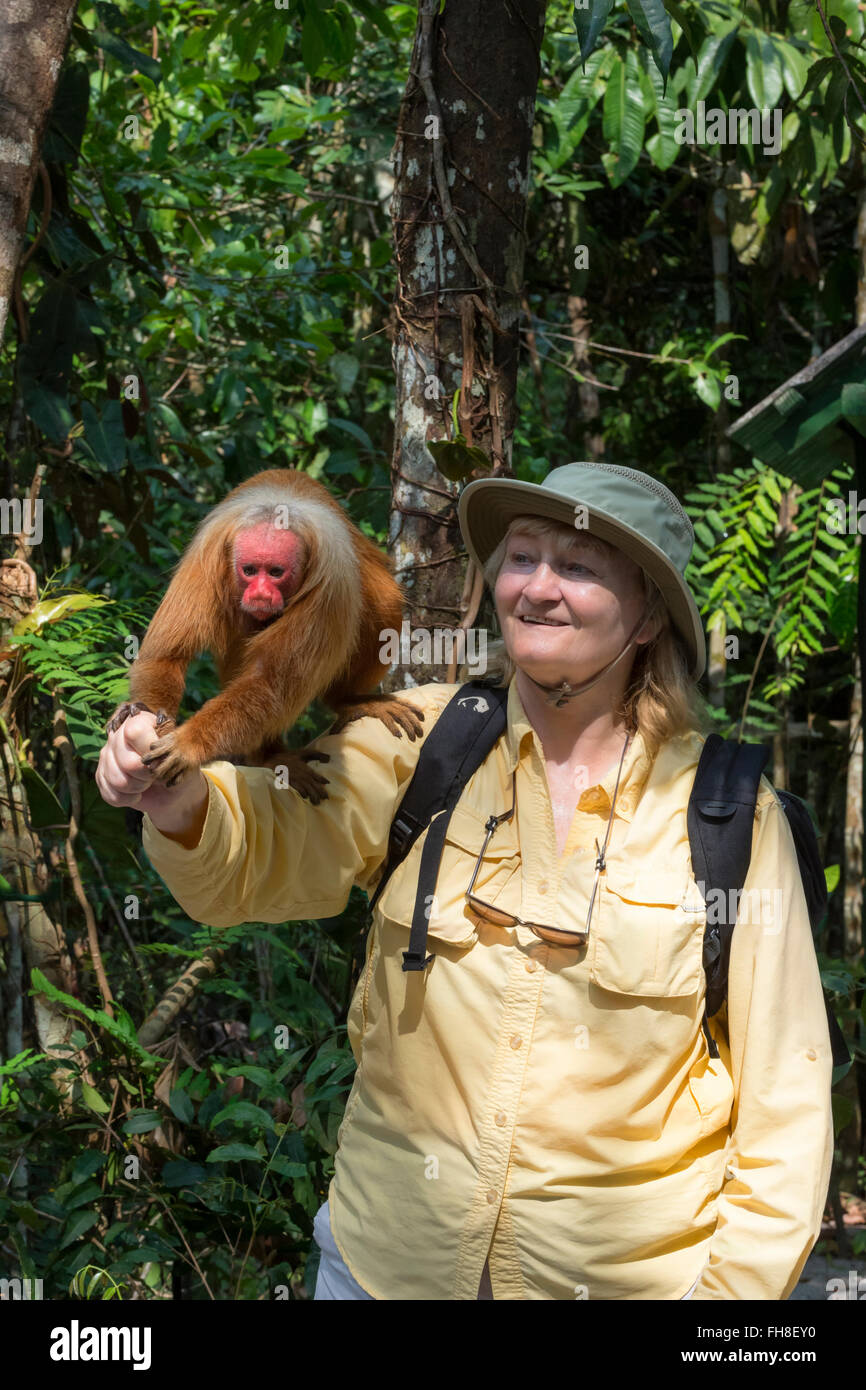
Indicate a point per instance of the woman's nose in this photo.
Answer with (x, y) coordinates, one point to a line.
(542, 584)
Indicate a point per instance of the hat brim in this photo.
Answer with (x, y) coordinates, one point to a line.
(489, 505)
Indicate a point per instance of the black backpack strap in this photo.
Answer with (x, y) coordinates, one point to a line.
(465, 732)
(720, 817)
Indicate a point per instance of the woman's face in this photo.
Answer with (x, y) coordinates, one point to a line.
(567, 607)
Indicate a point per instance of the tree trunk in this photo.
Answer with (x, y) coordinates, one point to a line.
(461, 162)
(33, 937)
(717, 662)
(33, 38)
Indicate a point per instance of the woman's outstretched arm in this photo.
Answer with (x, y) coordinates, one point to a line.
(232, 846)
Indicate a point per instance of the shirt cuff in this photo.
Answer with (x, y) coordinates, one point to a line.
(210, 852)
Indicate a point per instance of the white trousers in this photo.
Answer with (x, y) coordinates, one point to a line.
(335, 1280)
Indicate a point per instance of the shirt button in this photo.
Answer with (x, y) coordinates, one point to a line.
(492, 1197)
(516, 1041)
(542, 887)
(500, 1117)
(811, 1054)
(532, 966)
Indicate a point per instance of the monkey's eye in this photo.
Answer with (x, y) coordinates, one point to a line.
(248, 570)
(276, 572)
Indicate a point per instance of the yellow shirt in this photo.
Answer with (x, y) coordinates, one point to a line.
(556, 1107)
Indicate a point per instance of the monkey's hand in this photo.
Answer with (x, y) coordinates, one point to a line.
(395, 714)
(305, 780)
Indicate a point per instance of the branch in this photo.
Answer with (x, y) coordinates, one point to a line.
(179, 995)
(63, 744)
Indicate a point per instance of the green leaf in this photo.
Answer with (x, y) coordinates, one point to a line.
(455, 459)
(41, 985)
(654, 26)
(93, 1100)
(145, 1254)
(234, 1153)
(181, 1173)
(312, 41)
(141, 1122)
(662, 147)
(159, 144)
(708, 389)
(243, 1112)
(624, 119)
(105, 435)
(43, 806)
(589, 20)
(128, 56)
(344, 369)
(68, 115)
(687, 22)
(49, 412)
(75, 1228)
(287, 1169)
(795, 67)
(764, 75)
(843, 1112)
(181, 1106)
(349, 427)
(711, 59)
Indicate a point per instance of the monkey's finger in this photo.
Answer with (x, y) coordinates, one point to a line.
(309, 785)
(163, 718)
(169, 768)
(160, 749)
(410, 719)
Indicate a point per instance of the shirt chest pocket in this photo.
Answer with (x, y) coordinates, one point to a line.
(449, 918)
(645, 942)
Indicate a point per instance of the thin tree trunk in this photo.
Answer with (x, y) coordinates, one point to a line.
(720, 247)
(461, 162)
(586, 391)
(33, 38)
(34, 938)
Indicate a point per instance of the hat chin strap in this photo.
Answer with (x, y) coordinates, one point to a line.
(559, 695)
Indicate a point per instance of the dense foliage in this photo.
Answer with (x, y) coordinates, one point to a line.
(210, 296)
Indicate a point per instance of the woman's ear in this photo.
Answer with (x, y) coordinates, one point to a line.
(654, 623)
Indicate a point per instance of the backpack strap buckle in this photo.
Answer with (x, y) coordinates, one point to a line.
(402, 830)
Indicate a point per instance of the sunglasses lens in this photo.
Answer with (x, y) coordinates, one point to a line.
(493, 915)
(560, 938)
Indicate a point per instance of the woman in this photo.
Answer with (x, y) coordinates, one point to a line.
(537, 1115)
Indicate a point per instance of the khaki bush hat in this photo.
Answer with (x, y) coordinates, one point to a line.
(631, 510)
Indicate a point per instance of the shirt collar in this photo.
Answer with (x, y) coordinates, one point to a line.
(597, 798)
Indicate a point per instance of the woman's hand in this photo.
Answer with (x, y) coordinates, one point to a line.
(123, 780)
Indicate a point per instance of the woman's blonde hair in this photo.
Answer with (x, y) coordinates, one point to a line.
(662, 699)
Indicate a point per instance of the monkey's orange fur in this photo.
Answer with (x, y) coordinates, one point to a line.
(339, 597)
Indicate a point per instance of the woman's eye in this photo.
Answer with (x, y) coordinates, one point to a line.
(575, 565)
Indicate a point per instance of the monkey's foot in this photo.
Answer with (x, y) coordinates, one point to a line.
(395, 714)
(167, 758)
(303, 778)
(124, 712)
(130, 708)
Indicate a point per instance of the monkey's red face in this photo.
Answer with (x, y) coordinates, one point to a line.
(269, 567)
